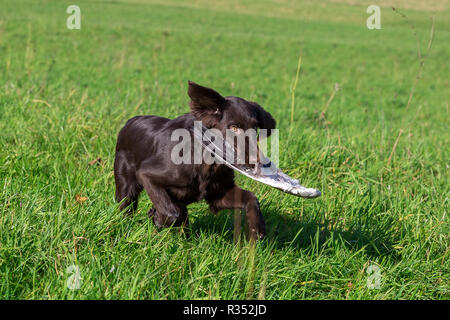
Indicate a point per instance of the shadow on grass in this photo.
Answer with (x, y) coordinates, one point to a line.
(296, 232)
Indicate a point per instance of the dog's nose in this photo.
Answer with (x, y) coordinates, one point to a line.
(267, 165)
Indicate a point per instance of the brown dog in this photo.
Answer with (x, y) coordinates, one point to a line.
(143, 160)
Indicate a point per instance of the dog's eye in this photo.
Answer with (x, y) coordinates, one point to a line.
(235, 129)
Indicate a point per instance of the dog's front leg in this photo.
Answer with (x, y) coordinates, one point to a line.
(237, 198)
(165, 212)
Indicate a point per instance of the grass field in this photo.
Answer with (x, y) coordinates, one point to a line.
(370, 129)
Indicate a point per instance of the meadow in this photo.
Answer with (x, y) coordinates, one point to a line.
(366, 123)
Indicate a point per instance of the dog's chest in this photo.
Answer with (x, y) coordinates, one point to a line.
(207, 182)
(214, 180)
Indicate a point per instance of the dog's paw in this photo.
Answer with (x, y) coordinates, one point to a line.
(257, 234)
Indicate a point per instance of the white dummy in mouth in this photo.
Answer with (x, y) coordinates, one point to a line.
(267, 173)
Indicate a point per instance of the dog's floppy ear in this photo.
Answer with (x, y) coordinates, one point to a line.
(265, 119)
(206, 104)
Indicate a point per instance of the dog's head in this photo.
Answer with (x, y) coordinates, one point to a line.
(228, 113)
(222, 113)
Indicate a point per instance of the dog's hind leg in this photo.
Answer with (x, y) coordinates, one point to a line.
(160, 219)
(127, 186)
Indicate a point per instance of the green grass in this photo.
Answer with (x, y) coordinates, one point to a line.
(64, 94)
